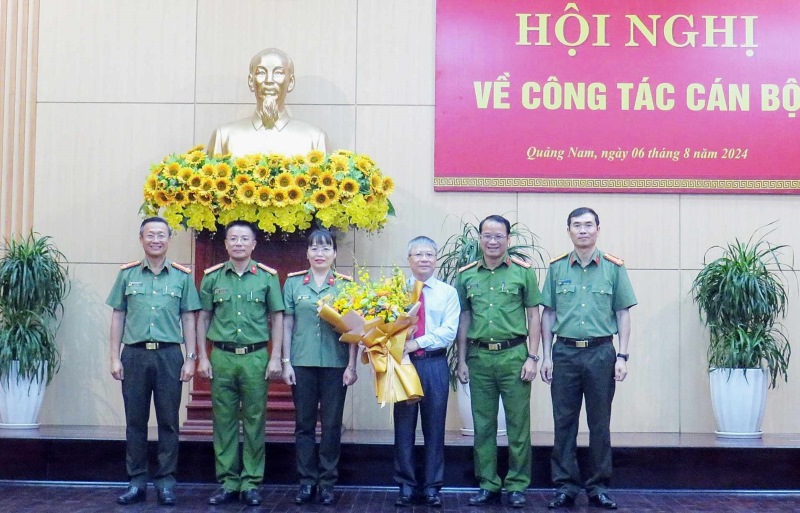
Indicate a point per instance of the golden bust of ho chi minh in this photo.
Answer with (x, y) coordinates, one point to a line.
(270, 129)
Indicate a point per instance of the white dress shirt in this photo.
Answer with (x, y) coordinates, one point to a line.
(442, 312)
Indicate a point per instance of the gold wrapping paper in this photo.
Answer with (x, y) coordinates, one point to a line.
(396, 378)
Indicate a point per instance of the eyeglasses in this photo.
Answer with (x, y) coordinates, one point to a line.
(324, 250)
(423, 254)
(160, 237)
(236, 240)
(488, 237)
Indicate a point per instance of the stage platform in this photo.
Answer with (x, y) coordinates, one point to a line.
(660, 461)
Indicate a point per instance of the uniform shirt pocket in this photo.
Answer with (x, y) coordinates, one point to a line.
(257, 296)
(221, 295)
(602, 293)
(133, 290)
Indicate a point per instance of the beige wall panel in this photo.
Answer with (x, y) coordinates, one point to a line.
(319, 35)
(338, 121)
(716, 220)
(403, 149)
(117, 51)
(396, 52)
(641, 229)
(89, 181)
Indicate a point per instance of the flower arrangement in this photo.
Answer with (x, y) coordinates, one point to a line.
(338, 190)
(385, 299)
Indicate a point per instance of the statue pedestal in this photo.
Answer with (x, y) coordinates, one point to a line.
(284, 255)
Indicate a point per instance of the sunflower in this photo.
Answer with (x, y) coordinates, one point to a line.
(320, 199)
(279, 197)
(339, 164)
(241, 179)
(163, 198)
(198, 147)
(276, 160)
(195, 157)
(261, 173)
(348, 188)
(204, 198)
(263, 196)
(191, 195)
(315, 157)
(326, 179)
(314, 173)
(208, 170)
(209, 184)
(346, 153)
(331, 192)
(388, 185)
(223, 170)
(363, 164)
(185, 173)
(179, 198)
(247, 193)
(302, 180)
(244, 163)
(196, 180)
(299, 160)
(151, 184)
(222, 186)
(173, 168)
(376, 182)
(226, 202)
(294, 195)
(284, 180)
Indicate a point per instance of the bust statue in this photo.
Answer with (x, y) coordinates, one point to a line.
(270, 129)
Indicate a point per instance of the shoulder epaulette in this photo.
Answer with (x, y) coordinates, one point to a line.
(267, 268)
(214, 268)
(473, 264)
(296, 273)
(343, 276)
(181, 268)
(613, 259)
(130, 264)
(559, 257)
(521, 262)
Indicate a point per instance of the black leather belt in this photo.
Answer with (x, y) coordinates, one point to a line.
(499, 345)
(422, 354)
(237, 349)
(152, 346)
(586, 342)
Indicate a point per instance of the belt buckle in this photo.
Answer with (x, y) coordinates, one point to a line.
(496, 346)
(240, 350)
(151, 345)
(581, 343)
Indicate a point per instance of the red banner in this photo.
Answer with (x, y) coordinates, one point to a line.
(627, 96)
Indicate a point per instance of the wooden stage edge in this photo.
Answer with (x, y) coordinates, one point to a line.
(656, 461)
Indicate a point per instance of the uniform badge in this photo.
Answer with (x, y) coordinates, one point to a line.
(253, 270)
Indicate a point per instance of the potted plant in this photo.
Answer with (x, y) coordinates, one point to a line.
(33, 285)
(459, 250)
(741, 296)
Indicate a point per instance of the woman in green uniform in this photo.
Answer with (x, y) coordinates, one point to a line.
(318, 367)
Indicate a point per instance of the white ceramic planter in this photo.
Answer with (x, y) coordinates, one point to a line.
(20, 401)
(465, 410)
(739, 398)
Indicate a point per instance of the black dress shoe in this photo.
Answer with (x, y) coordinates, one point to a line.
(516, 499)
(223, 496)
(561, 500)
(602, 500)
(166, 497)
(251, 497)
(326, 495)
(484, 497)
(433, 501)
(403, 501)
(304, 494)
(132, 496)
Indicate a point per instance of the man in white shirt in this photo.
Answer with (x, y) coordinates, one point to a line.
(436, 331)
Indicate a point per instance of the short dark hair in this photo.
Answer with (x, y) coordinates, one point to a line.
(582, 211)
(243, 224)
(155, 219)
(496, 219)
(321, 236)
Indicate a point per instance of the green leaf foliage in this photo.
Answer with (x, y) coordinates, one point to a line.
(33, 285)
(741, 295)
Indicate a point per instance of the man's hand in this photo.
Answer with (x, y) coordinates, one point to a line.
(274, 369)
(620, 369)
(116, 369)
(187, 371)
(288, 374)
(349, 376)
(410, 346)
(547, 370)
(528, 372)
(463, 373)
(204, 368)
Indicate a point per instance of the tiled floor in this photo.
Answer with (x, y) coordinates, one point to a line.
(19, 497)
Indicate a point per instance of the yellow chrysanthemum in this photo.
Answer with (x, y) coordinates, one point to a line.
(326, 179)
(302, 180)
(376, 183)
(348, 187)
(247, 193)
(196, 180)
(226, 202)
(209, 184)
(261, 173)
(241, 180)
(284, 180)
(223, 170)
(388, 185)
(179, 198)
(315, 157)
(339, 164)
(279, 197)
(320, 199)
(294, 195)
(185, 173)
(162, 198)
(222, 186)
(208, 170)
(172, 170)
(263, 196)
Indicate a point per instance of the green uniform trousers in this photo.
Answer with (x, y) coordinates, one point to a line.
(239, 390)
(578, 374)
(495, 374)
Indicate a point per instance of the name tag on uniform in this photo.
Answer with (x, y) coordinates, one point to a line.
(134, 284)
(300, 298)
(564, 282)
(220, 291)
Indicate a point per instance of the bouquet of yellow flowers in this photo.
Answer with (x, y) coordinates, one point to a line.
(275, 191)
(380, 315)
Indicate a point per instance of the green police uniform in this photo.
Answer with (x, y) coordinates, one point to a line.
(152, 360)
(497, 299)
(319, 361)
(585, 300)
(240, 331)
